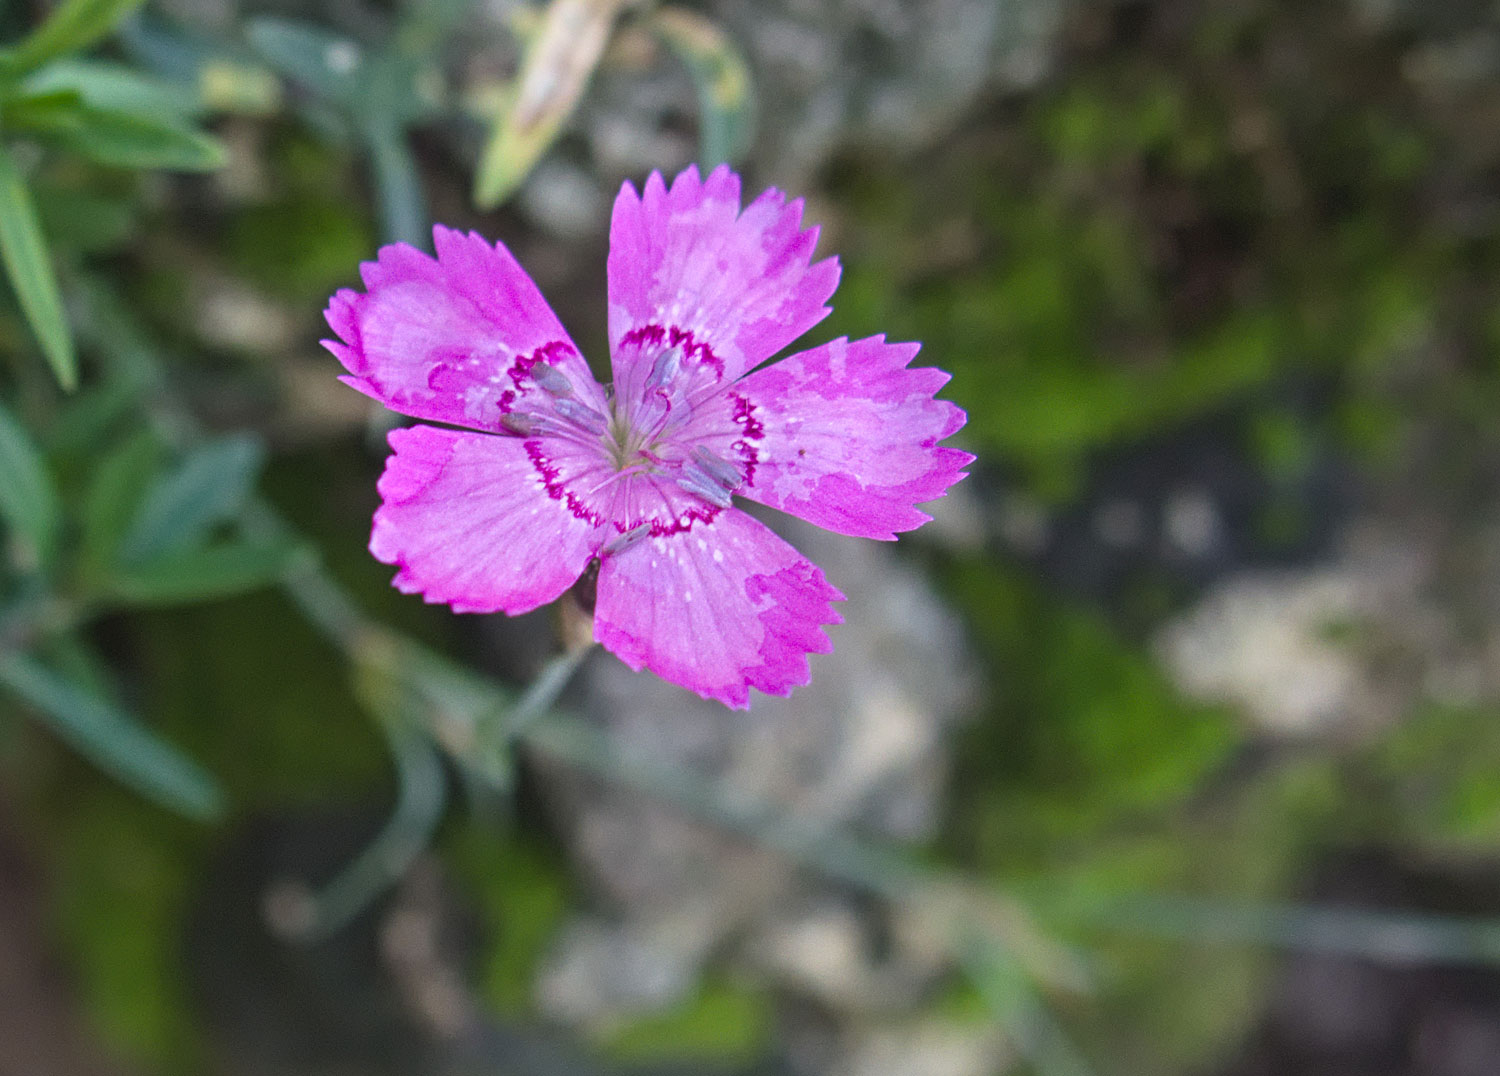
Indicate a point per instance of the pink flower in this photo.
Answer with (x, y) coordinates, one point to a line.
(642, 476)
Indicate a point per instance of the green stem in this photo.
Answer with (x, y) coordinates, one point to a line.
(1017, 1007)
(544, 691)
(421, 793)
(398, 187)
(952, 903)
(1386, 937)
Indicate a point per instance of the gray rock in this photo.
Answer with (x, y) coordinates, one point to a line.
(861, 748)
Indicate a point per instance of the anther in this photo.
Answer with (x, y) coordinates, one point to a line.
(582, 414)
(519, 424)
(552, 380)
(621, 542)
(664, 370)
(726, 474)
(700, 485)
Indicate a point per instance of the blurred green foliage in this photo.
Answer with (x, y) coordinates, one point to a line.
(1141, 242)
(1117, 261)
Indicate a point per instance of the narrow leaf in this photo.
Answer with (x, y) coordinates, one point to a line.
(560, 59)
(72, 25)
(325, 63)
(111, 136)
(114, 497)
(132, 141)
(398, 188)
(726, 101)
(104, 84)
(205, 489)
(113, 740)
(28, 501)
(203, 574)
(30, 270)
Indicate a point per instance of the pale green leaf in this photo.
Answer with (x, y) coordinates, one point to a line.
(203, 574)
(30, 269)
(112, 739)
(115, 494)
(109, 85)
(324, 62)
(110, 136)
(205, 489)
(28, 501)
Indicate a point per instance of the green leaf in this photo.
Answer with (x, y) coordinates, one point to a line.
(28, 501)
(398, 188)
(130, 141)
(326, 63)
(726, 101)
(114, 498)
(113, 740)
(110, 136)
(30, 269)
(205, 489)
(560, 59)
(108, 85)
(72, 26)
(389, 88)
(203, 574)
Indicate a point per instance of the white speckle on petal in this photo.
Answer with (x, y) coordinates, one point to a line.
(718, 556)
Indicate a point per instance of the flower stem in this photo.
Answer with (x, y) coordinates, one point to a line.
(421, 794)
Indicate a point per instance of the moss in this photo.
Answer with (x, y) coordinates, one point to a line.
(123, 875)
(1084, 733)
(721, 1023)
(522, 892)
(1133, 254)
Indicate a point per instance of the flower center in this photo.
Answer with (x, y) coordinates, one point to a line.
(669, 449)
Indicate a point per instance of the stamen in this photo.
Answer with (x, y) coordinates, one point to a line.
(726, 474)
(664, 370)
(551, 379)
(582, 414)
(653, 409)
(522, 425)
(621, 542)
(700, 485)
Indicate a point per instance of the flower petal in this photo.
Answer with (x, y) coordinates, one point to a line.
(849, 437)
(435, 338)
(686, 265)
(720, 609)
(469, 521)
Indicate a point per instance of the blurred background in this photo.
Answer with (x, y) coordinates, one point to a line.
(1168, 747)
